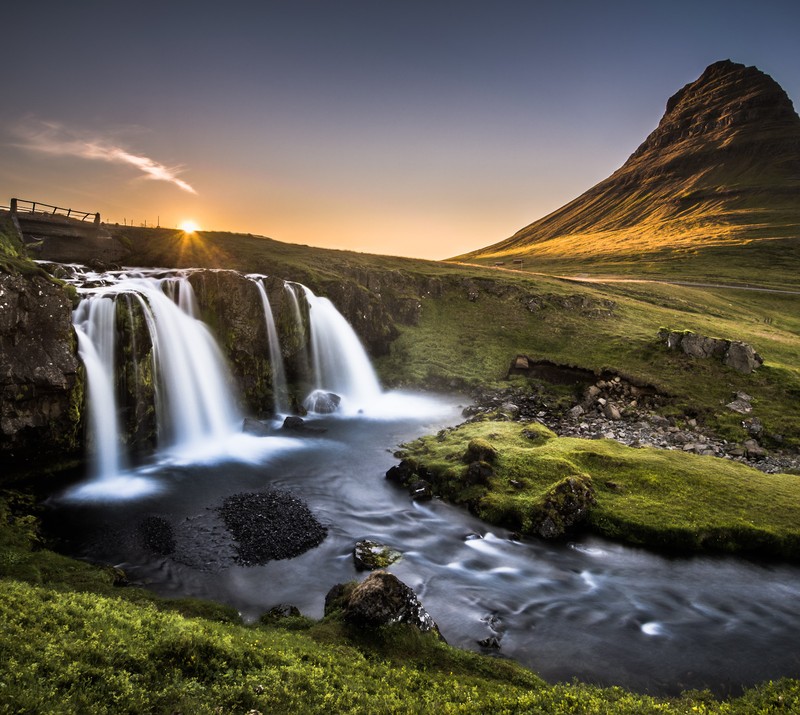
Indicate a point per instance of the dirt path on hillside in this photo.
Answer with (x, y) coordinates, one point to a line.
(612, 279)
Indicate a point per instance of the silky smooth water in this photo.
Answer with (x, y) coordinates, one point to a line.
(589, 608)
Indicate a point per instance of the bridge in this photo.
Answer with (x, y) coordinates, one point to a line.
(55, 233)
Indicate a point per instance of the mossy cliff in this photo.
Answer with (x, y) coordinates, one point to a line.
(41, 381)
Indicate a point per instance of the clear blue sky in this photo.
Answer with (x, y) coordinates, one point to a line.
(417, 128)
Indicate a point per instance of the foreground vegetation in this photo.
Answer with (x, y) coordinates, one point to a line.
(657, 498)
(72, 641)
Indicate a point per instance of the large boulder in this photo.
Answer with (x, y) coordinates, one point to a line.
(380, 600)
(322, 402)
(742, 358)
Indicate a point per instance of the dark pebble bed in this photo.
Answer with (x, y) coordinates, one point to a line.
(270, 525)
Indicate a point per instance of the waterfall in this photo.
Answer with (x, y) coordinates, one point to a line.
(280, 389)
(94, 322)
(339, 361)
(194, 406)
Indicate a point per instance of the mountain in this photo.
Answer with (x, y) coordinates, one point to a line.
(721, 170)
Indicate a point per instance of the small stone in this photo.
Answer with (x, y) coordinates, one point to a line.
(492, 642)
(420, 490)
(370, 555)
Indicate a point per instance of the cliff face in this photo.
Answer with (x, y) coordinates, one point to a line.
(40, 386)
(724, 161)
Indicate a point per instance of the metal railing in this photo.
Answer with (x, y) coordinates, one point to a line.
(31, 207)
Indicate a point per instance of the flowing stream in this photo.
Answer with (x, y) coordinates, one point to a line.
(590, 609)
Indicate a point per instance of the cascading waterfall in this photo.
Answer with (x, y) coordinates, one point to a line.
(187, 378)
(94, 322)
(340, 363)
(194, 405)
(280, 388)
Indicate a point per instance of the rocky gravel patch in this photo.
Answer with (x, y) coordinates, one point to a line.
(270, 525)
(615, 409)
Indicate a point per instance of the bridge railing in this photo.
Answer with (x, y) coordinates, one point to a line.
(31, 207)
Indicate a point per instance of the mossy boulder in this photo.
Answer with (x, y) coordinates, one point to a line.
(564, 506)
(480, 450)
(383, 599)
(371, 556)
(478, 473)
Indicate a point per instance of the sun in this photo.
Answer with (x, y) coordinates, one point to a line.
(189, 226)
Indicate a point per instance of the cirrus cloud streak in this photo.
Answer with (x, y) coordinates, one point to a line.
(52, 138)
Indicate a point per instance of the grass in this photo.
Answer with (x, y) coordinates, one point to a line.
(71, 641)
(662, 499)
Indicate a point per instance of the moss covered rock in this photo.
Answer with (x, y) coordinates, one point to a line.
(565, 505)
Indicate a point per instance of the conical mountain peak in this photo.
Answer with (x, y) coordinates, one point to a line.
(721, 167)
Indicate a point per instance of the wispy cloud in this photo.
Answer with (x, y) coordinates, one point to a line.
(52, 138)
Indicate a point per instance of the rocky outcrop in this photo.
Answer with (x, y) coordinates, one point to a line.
(380, 600)
(41, 388)
(733, 353)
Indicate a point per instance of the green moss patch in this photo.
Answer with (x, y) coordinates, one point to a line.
(659, 498)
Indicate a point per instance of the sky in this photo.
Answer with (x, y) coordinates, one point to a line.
(419, 128)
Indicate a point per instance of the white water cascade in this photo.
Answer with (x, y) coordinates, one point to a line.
(340, 363)
(280, 388)
(193, 402)
(94, 322)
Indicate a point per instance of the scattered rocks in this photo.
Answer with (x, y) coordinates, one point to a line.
(639, 423)
(370, 555)
(270, 526)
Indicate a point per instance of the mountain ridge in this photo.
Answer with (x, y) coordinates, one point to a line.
(721, 168)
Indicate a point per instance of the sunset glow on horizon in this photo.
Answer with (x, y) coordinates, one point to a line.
(189, 226)
(416, 129)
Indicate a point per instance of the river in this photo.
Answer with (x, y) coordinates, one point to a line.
(588, 609)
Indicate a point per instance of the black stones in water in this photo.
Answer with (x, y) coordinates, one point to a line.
(270, 526)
